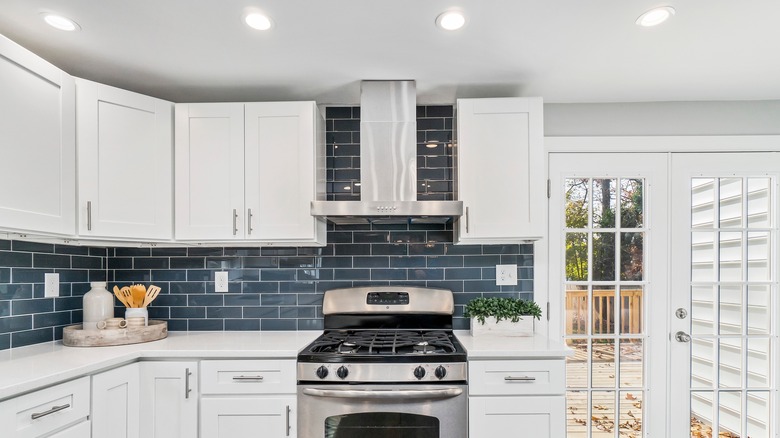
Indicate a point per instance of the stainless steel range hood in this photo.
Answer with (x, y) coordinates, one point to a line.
(388, 161)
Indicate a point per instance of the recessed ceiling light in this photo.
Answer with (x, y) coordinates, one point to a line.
(655, 16)
(258, 21)
(451, 20)
(60, 22)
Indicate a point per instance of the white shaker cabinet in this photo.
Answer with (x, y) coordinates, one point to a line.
(241, 397)
(169, 399)
(248, 172)
(37, 144)
(116, 402)
(500, 170)
(61, 410)
(125, 159)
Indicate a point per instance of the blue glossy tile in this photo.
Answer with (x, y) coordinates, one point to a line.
(454, 285)
(188, 312)
(261, 312)
(168, 252)
(426, 274)
(133, 276)
(51, 319)
(351, 274)
(151, 263)
(187, 287)
(20, 339)
(277, 274)
(15, 323)
(160, 313)
(336, 262)
(242, 324)
(255, 287)
(5, 244)
(445, 261)
(392, 249)
(73, 275)
(205, 300)
(426, 249)
(260, 262)
(311, 324)
(177, 325)
(353, 249)
(450, 249)
(242, 300)
(500, 249)
(11, 259)
(278, 299)
(5, 308)
(27, 307)
(223, 262)
(296, 262)
(206, 325)
(310, 299)
(207, 251)
(5, 342)
(223, 312)
(85, 262)
(168, 275)
(302, 287)
(278, 251)
(132, 252)
(120, 263)
(480, 286)
(314, 274)
(199, 275)
(5, 275)
(15, 291)
(371, 262)
(388, 274)
(278, 324)
(68, 303)
(20, 245)
(188, 262)
(51, 261)
(167, 299)
(244, 275)
(98, 275)
(408, 262)
(463, 273)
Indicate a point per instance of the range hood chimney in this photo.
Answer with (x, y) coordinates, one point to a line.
(388, 161)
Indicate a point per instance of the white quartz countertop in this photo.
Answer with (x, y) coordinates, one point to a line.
(29, 368)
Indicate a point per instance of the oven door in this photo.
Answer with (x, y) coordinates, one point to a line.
(382, 411)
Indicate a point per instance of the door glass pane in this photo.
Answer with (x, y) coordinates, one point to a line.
(604, 257)
(703, 299)
(630, 417)
(703, 213)
(730, 305)
(382, 425)
(577, 309)
(702, 414)
(757, 413)
(603, 310)
(603, 363)
(758, 202)
(577, 413)
(703, 250)
(703, 359)
(730, 202)
(604, 203)
(758, 256)
(729, 414)
(631, 355)
(759, 306)
(577, 365)
(632, 249)
(631, 203)
(730, 256)
(603, 414)
(631, 309)
(730, 363)
(576, 210)
(758, 371)
(576, 256)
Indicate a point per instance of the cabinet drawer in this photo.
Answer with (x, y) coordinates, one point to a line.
(517, 377)
(247, 377)
(42, 412)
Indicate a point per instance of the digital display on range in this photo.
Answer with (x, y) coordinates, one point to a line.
(398, 298)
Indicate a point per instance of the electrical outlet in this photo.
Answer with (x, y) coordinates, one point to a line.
(221, 281)
(506, 275)
(51, 285)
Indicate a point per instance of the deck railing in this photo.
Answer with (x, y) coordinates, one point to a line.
(629, 307)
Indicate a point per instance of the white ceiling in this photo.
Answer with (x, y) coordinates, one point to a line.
(562, 50)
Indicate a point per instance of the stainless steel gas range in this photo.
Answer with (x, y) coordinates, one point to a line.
(387, 365)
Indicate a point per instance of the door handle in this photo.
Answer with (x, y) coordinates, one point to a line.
(682, 337)
(37, 415)
(411, 394)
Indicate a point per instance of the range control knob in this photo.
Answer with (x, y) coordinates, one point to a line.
(342, 372)
(322, 372)
(440, 372)
(419, 372)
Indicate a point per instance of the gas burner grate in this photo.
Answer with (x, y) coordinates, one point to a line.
(384, 342)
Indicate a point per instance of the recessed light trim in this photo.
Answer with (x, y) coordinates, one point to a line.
(451, 20)
(60, 22)
(655, 16)
(258, 21)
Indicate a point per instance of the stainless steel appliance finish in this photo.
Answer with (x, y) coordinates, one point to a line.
(388, 159)
(387, 365)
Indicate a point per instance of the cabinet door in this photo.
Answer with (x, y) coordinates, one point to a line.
(80, 430)
(513, 417)
(169, 399)
(38, 153)
(42, 412)
(500, 170)
(125, 143)
(116, 402)
(226, 417)
(282, 149)
(209, 171)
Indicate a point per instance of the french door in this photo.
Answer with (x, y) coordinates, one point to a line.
(724, 295)
(608, 250)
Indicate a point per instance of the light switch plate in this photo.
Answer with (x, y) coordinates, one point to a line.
(220, 281)
(51, 285)
(506, 275)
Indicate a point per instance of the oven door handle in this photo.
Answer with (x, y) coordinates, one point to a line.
(385, 394)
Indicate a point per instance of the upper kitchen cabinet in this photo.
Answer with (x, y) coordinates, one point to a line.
(37, 144)
(248, 172)
(125, 169)
(500, 170)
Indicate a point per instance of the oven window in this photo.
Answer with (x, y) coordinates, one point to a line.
(381, 425)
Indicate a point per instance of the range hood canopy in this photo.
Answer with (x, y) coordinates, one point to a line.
(388, 162)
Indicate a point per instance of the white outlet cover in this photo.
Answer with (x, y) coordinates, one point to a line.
(220, 281)
(51, 285)
(506, 275)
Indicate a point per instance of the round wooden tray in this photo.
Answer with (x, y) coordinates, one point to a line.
(75, 336)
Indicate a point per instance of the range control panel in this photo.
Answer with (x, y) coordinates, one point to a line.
(384, 298)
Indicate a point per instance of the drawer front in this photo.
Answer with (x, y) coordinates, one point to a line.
(517, 377)
(247, 377)
(47, 410)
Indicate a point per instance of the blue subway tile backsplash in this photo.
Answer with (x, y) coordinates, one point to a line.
(270, 288)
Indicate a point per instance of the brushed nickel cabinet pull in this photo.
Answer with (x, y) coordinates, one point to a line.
(467, 220)
(249, 221)
(187, 388)
(288, 421)
(520, 379)
(89, 215)
(248, 378)
(235, 222)
(53, 409)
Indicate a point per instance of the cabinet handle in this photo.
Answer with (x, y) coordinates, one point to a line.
(249, 220)
(187, 389)
(288, 421)
(53, 409)
(467, 220)
(520, 379)
(89, 215)
(248, 378)
(235, 222)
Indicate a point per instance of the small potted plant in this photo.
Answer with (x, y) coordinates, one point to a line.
(502, 316)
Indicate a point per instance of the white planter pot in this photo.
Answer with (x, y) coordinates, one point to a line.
(491, 327)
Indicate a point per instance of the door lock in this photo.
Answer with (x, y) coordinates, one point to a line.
(681, 313)
(682, 337)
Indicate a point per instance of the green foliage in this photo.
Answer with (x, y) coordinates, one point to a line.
(511, 309)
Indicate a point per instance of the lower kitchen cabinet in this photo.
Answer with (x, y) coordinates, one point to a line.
(169, 399)
(509, 398)
(116, 402)
(239, 417)
(61, 411)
